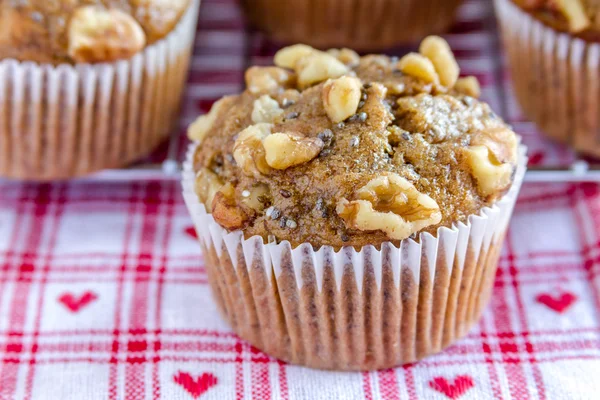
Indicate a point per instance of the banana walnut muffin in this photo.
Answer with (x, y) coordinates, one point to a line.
(581, 17)
(69, 31)
(330, 148)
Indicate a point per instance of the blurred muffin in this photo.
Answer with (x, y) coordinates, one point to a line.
(88, 85)
(554, 59)
(363, 24)
(351, 210)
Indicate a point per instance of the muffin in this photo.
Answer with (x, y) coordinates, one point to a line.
(88, 85)
(554, 59)
(363, 24)
(351, 210)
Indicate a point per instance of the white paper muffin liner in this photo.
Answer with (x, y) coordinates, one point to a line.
(354, 310)
(69, 120)
(555, 76)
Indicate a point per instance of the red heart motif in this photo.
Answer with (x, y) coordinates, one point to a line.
(536, 158)
(191, 231)
(195, 387)
(453, 390)
(559, 304)
(75, 304)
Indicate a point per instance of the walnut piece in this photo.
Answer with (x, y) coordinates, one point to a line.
(438, 51)
(203, 124)
(468, 85)
(289, 56)
(268, 79)
(97, 34)
(502, 142)
(284, 150)
(347, 56)
(254, 196)
(226, 212)
(419, 66)
(318, 67)
(341, 97)
(266, 109)
(207, 185)
(248, 150)
(391, 204)
(574, 12)
(492, 176)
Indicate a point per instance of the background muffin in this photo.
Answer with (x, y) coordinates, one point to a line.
(364, 25)
(88, 85)
(554, 59)
(308, 189)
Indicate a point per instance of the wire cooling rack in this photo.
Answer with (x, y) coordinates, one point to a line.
(225, 47)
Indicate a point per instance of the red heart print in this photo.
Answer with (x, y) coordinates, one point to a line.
(536, 158)
(191, 232)
(559, 304)
(75, 304)
(454, 390)
(195, 387)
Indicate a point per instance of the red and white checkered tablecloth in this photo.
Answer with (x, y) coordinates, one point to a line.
(103, 292)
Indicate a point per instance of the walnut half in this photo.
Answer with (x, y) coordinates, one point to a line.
(97, 34)
(284, 150)
(390, 204)
(492, 176)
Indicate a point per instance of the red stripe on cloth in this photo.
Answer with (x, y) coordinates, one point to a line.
(367, 388)
(283, 384)
(388, 385)
(239, 371)
(259, 375)
(491, 365)
(409, 381)
(113, 371)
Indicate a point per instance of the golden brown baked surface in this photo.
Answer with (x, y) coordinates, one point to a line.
(578, 17)
(332, 149)
(68, 31)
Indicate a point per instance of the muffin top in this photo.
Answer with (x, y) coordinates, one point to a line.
(333, 149)
(579, 17)
(71, 31)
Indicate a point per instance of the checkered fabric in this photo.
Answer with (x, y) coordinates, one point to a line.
(104, 295)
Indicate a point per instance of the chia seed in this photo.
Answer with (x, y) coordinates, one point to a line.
(467, 100)
(364, 97)
(292, 115)
(326, 136)
(246, 193)
(367, 85)
(290, 223)
(340, 125)
(361, 104)
(344, 237)
(405, 136)
(276, 213)
(269, 211)
(282, 222)
(325, 152)
(354, 141)
(287, 102)
(320, 204)
(285, 193)
(362, 116)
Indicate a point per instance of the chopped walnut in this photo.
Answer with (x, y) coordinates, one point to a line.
(468, 85)
(419, 66)
(268, 79)
(207, 185)
(97, 34)
(226, 212)
(341, 97)
(284, 150)
(492, 176)
(318, 67)
(254, 196)
(266, 109)
(438, 51)
(248, 150)
(347, 56)
(202, 125)
(289, 56)
(574, 12)
(502, 142)
(391, 204)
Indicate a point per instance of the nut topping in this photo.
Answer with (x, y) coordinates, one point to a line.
(341, 97)
(266, 109)
(419, 66)
(391, 204)
(438, 51)
(491, 175)
(268, 79)
(248, 150)
(198, 129)
(207, 185)
(318, 67)
(98, 35)
(289, 56)
(284, 150)
(468, 85)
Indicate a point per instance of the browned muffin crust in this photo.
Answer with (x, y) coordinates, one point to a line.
(353, 160)
(578, 17)
(43, 30)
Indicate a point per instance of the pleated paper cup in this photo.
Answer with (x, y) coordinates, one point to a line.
(361, 25)
(354, 309)
(555, 77)
(69, 120)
